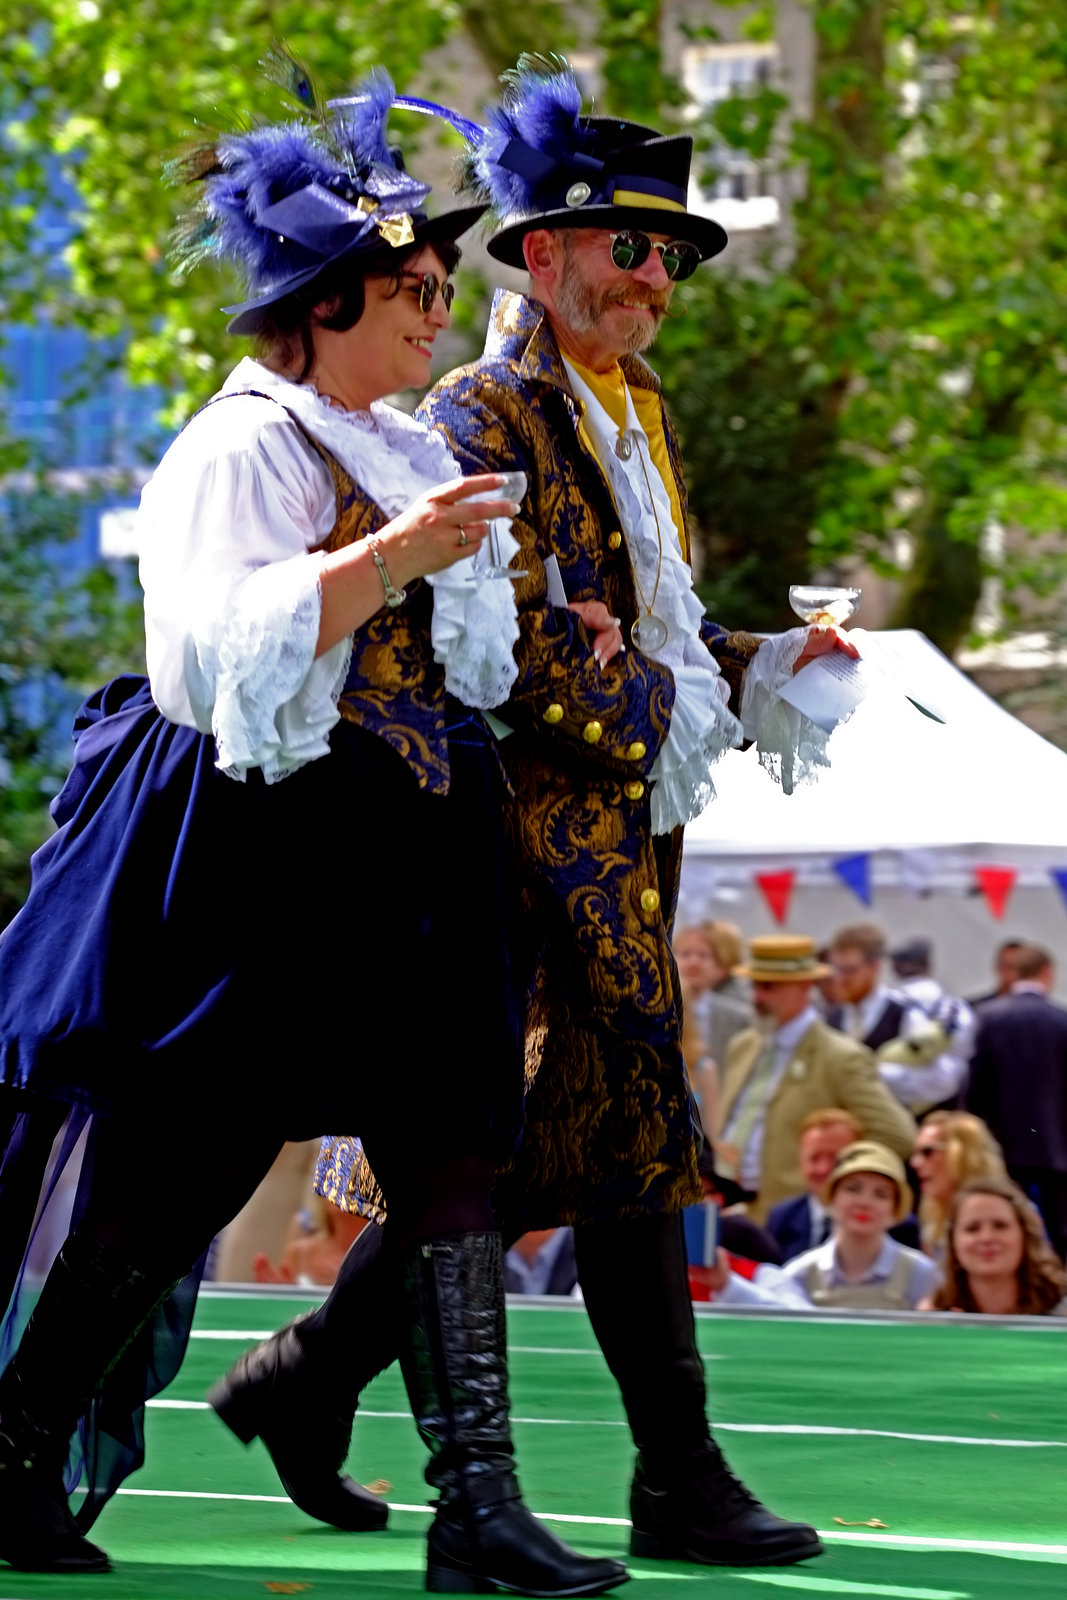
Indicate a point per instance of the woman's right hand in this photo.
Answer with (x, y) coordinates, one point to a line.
(442, 526)
(438, 529)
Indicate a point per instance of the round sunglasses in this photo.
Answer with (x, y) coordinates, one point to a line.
(429, 289)
(629, 250)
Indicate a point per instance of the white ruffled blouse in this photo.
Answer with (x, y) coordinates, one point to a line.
(702, 725)
(229, 523)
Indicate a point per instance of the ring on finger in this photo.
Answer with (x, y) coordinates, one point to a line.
(463, 535)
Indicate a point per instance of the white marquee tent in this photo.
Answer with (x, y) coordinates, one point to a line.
(927, 802)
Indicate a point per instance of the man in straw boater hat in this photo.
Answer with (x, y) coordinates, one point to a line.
(788, 1066)
(626, 694)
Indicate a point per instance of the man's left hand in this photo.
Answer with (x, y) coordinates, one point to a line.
(821, 641)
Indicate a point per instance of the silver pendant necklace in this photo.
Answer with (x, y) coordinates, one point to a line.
(649, 633)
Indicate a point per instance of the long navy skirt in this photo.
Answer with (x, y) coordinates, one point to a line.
(294, 954)
(193, 939)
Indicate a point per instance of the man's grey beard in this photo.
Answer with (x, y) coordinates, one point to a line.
(582, 307)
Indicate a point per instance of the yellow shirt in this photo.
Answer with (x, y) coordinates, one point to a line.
(610, 389)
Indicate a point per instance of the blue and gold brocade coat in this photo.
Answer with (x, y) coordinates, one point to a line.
(609, 1126)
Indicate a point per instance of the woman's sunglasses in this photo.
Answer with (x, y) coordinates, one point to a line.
(429, 289)
(926, 1150)
(631, 249)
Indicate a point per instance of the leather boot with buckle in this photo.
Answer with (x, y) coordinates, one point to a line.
(483, 1538)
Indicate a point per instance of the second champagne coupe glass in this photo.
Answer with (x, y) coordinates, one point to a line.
(823, 605)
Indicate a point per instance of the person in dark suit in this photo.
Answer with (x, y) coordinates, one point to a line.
(1004, 971)
(1019, 1086)
(804, 1223)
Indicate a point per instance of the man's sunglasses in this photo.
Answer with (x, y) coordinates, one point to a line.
(429, 289)
(631, 249)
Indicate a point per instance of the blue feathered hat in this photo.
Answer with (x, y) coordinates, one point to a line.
(288, 201)
(540, 164)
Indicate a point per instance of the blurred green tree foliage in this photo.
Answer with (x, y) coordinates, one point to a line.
(900, 376)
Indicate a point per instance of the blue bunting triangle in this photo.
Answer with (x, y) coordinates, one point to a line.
(855, 874)
(1059, 876)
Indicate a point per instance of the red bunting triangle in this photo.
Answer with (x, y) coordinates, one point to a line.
(996, 883)
(777, 889)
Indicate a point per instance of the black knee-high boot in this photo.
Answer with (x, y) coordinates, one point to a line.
(483, 1537)
(685, 1502)
(92, 1304)
(298, 1390)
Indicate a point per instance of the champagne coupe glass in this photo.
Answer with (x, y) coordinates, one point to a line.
(513, 487)
(823, 605)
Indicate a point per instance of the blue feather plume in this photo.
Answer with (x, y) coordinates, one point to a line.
(541, 107)
(241, 174)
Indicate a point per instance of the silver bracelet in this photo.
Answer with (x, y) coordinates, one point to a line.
(393, 595)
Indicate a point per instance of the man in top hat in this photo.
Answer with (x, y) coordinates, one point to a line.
(788, 1066)
(626, 694)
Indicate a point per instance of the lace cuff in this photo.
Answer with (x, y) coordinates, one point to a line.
(702, 727)
(475, 624)
(790, 746)
(274, 702)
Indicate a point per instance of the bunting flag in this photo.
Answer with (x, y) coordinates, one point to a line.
(855, 874)
(1059, 878)
(996, 883)
(777, 889)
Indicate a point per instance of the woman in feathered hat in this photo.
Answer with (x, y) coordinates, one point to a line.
(213, 960)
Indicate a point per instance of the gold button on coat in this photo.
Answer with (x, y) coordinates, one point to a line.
(614, 540)
(635, 751)
(649, 899)
(633, 791)
(553, 713)
(591, 732)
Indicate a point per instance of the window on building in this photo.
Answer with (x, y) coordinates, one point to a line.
(728, 184)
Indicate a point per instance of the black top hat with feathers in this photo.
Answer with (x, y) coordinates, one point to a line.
(288, 201)
(540, 164)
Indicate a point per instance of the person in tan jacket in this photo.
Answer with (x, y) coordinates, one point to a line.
(788, 1065)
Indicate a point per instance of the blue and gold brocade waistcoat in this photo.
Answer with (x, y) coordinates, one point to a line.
(394, 687)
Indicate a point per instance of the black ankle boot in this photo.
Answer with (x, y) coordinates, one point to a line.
(298, 1390)
(701, 1512)
(92, 1305)
(37, 1531)
(268, 1394)
(685, 1501)
(483, 1537)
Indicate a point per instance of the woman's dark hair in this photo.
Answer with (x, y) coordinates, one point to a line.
(286, 325)
(1041, 1278)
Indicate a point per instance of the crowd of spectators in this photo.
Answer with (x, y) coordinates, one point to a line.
(957, 1201)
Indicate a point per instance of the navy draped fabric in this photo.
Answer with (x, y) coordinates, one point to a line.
(195, 946)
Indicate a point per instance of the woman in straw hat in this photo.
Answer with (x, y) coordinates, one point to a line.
(859, 1267)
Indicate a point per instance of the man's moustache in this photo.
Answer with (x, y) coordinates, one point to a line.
(647, 304)
(663, 307)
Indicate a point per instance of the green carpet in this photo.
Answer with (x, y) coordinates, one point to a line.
(973, 1507)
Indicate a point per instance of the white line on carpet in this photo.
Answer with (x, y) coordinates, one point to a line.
(900, 1541)
(801, 1429)
(243, 1334)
